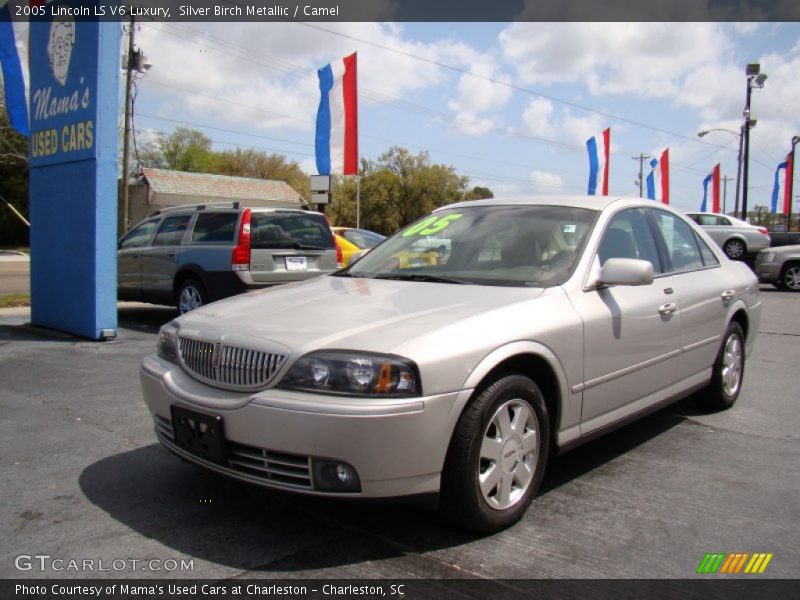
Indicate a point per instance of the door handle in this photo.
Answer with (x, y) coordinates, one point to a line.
(728, 295)
(668, 308)
(171, 255)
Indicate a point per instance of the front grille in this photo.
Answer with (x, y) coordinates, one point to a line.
(759, 259)
(164, 427)
(279, 468)
(229, 366)
(259, 464)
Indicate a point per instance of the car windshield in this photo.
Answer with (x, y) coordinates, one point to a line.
(483, 245)
(290, 230)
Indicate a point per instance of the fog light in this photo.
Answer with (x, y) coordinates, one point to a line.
(335, 476)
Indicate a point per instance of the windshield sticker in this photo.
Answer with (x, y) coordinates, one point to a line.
(431, 225)
(569, 228)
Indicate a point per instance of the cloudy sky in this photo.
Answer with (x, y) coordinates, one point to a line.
(509, 105)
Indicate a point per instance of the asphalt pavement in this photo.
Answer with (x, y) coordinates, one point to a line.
(14, 273)
(83, 478)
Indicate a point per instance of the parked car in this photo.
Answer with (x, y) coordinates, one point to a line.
(784, 238)
(549, 321)
(187, 256)
(737, 238)
(780, 267)
(352, 241)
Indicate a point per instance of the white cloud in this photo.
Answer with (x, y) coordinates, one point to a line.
(537, 117)
(271, 68)
(643, 59)
(546, 181)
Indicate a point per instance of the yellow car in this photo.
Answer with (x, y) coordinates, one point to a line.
(353, 240)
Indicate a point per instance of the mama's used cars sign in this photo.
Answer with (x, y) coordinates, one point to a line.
(63, 109)
(74, 100)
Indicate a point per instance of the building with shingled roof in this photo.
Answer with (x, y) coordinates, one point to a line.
(159, 188)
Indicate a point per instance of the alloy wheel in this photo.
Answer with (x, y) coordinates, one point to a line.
(732, 365)
(509, 453)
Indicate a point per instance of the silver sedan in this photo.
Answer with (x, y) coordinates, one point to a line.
(779, 266)
(737, 238)
(544, 323)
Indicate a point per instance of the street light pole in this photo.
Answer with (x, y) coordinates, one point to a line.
(738, 174)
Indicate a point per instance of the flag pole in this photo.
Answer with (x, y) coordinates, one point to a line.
(358, 201)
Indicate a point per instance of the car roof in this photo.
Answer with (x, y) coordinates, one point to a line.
(590, 202)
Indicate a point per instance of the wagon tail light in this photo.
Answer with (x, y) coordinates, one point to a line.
(240, 259)
(763, 230)
(339, 255)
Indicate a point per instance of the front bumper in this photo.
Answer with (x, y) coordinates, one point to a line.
(397, 446)
(767, 272)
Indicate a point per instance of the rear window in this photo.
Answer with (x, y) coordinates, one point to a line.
(362, 238)
(290, 230)
(215, 227)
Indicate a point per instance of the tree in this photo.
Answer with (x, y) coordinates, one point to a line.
(396, 189)
(479, 193)
(260, 165)
(13, 180)
(182, 150)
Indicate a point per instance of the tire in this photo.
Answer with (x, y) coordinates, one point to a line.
(789, 278)
(497, 456)
(728, 372)
(191, 295)
(735, 249)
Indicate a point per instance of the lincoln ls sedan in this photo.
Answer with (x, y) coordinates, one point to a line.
(544, 323)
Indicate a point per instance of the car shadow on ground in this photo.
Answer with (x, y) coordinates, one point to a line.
(241, 526)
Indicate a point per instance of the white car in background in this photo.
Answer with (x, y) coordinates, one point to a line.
(738, 239)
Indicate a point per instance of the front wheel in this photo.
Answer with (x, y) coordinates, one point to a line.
(728, 372)
(735, 249)
(790, 277)
(497, 455)
(191, 295)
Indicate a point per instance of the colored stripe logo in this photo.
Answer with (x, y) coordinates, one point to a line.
(735, 563)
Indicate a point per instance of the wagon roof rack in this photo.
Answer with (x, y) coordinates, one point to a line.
(168, 209)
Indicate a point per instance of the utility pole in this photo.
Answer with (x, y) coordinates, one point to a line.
(641, 158)
(127, 135)
(725, 181)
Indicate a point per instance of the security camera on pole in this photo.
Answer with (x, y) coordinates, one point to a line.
(755, 78)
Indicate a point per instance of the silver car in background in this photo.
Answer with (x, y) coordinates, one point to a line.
(779, 266)
(737, 238)
(544, 323)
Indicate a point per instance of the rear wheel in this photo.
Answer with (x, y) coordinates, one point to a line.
(191, 295)
(790, 277)
(734, 249)
(728, 372)
(497, 456)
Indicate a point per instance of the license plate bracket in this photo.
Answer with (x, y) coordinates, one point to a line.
(201, 434)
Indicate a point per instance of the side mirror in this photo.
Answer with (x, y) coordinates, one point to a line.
(626, 271)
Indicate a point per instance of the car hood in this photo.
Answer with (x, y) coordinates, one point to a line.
(339, 312)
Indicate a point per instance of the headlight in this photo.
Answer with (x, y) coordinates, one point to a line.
(354, 373)
(167, 345)
(769, 257)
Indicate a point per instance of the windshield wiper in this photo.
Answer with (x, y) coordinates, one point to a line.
(418, 277)
(302, 246)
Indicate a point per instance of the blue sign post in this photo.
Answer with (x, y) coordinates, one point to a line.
(73, 175)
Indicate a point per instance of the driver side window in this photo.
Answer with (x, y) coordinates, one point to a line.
(628, 235)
